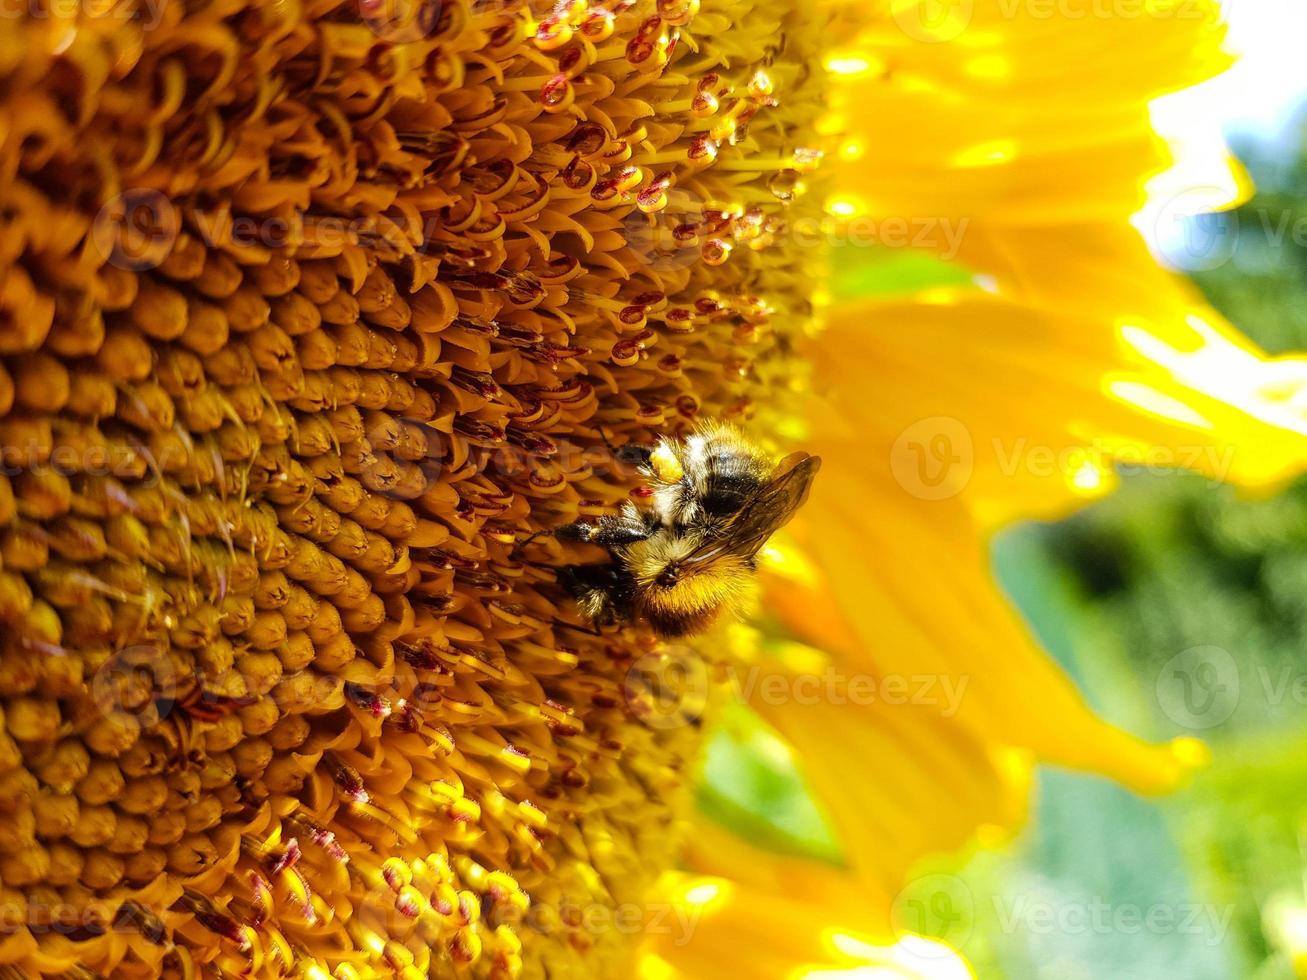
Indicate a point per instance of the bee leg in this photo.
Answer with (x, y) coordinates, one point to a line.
(609, 532)
(576, 531)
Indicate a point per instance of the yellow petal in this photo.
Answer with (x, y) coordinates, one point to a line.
(918, 596)
(705, 927)
(988, 109)
(843, 719)
(1022, 411)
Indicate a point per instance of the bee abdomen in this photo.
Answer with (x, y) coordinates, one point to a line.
(672, 624)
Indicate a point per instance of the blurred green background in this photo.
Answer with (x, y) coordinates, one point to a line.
(1179, 608)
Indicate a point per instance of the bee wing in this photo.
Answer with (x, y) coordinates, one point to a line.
(768, 511)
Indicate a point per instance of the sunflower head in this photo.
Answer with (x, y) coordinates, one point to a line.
(311, 315)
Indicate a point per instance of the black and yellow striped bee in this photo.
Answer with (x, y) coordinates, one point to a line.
(716, 499)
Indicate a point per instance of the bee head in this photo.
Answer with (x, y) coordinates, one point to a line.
(669, 576)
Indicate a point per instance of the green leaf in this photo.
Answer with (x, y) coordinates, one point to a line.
(878, 271)
(751, 786)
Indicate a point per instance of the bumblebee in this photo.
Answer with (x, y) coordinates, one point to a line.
(716, 499)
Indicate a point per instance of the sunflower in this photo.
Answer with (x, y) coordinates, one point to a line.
(314, 313)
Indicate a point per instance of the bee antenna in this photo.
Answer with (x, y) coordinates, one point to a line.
(547, 532)
(604, 436)
(588, 631)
